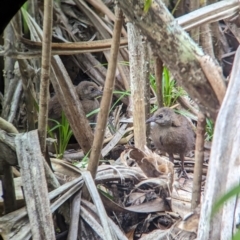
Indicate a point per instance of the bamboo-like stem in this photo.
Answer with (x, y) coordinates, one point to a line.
(158, 77)
(136, 52)
(194, 5)
(146, 74)
(206, 36)
(206, 40)
(199, 158)
(29, 98)
(107, 96)
(46, 64)
(10, 82)
(8, 189)
(99, 5)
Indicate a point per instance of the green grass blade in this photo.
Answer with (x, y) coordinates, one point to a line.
(93, 112)
(119, 99)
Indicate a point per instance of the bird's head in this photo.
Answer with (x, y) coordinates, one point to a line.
(88, 90)
(165, 117)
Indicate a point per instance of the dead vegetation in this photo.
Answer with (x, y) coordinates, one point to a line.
(113, 186)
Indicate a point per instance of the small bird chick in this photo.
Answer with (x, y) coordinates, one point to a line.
(87, 93)
(172, 133)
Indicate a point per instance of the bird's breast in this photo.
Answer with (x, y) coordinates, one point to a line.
(171, 140)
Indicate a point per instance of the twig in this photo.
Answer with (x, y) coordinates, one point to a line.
(107, 97)
(199, 158)
(158, 77)
(46, 64)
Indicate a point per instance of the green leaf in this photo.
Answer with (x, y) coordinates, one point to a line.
(236, 236)
(147, 5)
(233, 192)
(24, 9)
(84, 162)
(107, 195)
(170, 91)
(64, 135)
(209, 129)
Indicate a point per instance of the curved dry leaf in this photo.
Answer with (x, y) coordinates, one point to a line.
(136, 198)
(92, 189)
(170, 234)
(88, 205)
(65, 171)
(110, 173)
(111, 206)
(153, 181)
(157, 205)
(117, 136)
(151, 163)
(190, 222)
(90, 218)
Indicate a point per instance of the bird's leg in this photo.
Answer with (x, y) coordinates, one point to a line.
(171, 159)
(183, 171)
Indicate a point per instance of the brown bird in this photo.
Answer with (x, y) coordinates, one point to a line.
(87, 93)
(172, 133)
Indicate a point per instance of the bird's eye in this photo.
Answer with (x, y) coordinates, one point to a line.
(92, 89)
(160, 116)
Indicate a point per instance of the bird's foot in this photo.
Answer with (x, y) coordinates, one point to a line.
(183, 173)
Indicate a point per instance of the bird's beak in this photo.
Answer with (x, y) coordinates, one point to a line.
(151, 119)
(99, 93)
